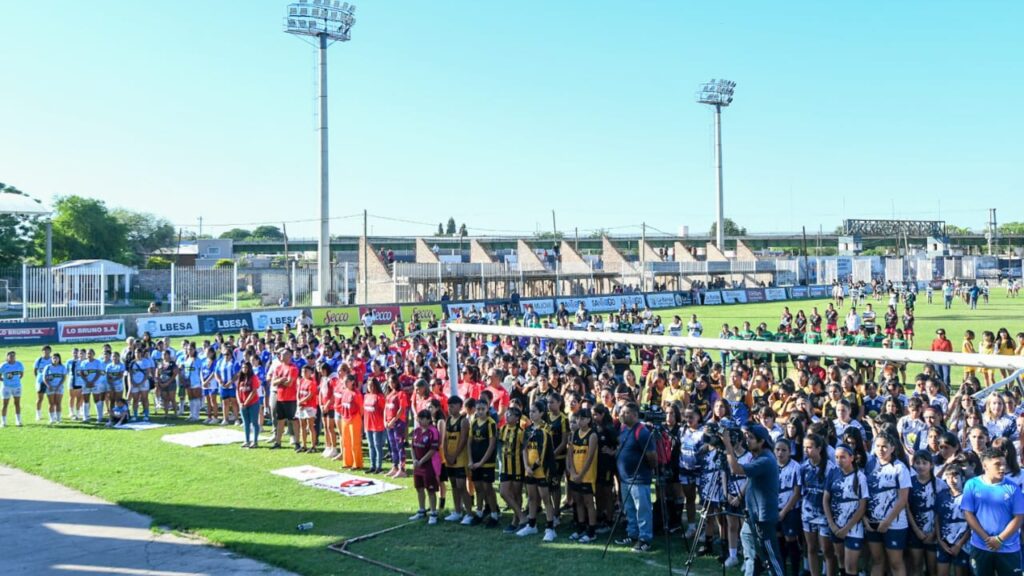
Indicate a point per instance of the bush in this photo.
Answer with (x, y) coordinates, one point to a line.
(224, 263)
(158, 263)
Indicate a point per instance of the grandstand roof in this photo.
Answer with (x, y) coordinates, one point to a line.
(20, 204)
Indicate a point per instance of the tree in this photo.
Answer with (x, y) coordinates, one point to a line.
(731, 229)
(1012, 228)
(267, 233)
(158, 263)
(236, 234)
(15, 232)
(440, 229)
(463, 231)
(450, 229)
(953, 230)
(146, 233)
(83, 228)
(224, 263)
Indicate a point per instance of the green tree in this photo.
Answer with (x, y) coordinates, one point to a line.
(440, 229)
(15, 232)
(463, 231)
(83, 228)
(146, 233)
(267, 233)
(1012, 228)
(450, 229)
(236, 234)
(158, 263)
(953, 230)
(731, 229)
(224, 263)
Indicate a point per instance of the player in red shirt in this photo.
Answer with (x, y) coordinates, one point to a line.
(284, 378)
(499, 396)
(348, 411)
(328, 381)
(373, 424)
(396, 408)
(426, 443)
(308, 394)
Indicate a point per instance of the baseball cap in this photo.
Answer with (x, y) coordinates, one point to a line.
(760, 432)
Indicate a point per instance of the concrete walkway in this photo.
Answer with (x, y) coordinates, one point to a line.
(47, 528)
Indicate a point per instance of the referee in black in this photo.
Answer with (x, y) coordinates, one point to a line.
(762, 498)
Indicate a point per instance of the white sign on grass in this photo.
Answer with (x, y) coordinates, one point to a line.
(211, 437)
(349, 485)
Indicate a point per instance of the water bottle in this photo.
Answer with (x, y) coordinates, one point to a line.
(305, 526)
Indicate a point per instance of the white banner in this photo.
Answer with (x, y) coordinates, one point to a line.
(303, 473)
(542, 306)
(349, 485)
(158, 326)
(774, 294)
(210, 437)
(275, 319)
(90, 330)
(610, 303)
(663, 300)
(712, 298)
(137, 426)
(734, 296)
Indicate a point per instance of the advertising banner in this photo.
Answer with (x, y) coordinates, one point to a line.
(734, 296)
(796, 292)
(425, 312)
(820, 291)
(685, 298)
(82, 330)
(609, 303)
(381, 314)
(463, 307)
(275, 319)
(159, 326)
(712, 298)
(668, 299)
(342, 316)
(756, 294)
(213, 323)
(542, 306)
(772, 294)
(28, 332)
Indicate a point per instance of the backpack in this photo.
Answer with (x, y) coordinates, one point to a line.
(662, 445)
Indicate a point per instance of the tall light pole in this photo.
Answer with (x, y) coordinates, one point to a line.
(718, 93)
(328, 22)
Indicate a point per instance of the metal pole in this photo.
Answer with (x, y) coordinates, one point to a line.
(453, 364)
(720, 229)
(366, 261)
(346, 284)
(103, 291)
(291, 294)
(324, 248)
(49, 244)
(234, 286)
(24, 290)
(172, 297)
(643, 256)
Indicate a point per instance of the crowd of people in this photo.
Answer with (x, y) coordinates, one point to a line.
(809, 465)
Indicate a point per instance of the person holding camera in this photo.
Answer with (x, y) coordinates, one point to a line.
(636, 459)
(762, 496)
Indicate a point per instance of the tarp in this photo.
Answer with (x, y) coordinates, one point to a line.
(210, 437)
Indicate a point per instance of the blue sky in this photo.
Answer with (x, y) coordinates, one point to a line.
(497, 113)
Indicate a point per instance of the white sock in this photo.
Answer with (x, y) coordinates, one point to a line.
(99, 410)
(732, 552)
(88, 411)
(3, 420)
(58, 415)
(39, 414)
(194, 405)
(17, 418)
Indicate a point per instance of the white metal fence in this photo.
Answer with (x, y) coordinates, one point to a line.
(58, 293)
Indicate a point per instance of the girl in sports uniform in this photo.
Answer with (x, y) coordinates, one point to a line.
(845, 501)
(607, 441)
(115, 372)
(539, 463)
(54, 376)
(396, 408)
(225, 374)
(789, 527)
(511, 475)
(814, 473)
(951, 526)
(166, 382)
(249, 390)
(426, 463)
(140, 374)
(924, 488)
(889, 490)
(455, 434)
(306, 401)
(691, 442)
(582, 469)
(996, 420)
(190, 378)
(208, 380)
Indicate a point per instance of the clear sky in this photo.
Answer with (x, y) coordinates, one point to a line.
(497, 113)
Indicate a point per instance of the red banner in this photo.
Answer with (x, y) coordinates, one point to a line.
(381, 314)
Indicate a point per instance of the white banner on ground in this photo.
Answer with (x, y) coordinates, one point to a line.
(139, 426)
(542, 306)
(211, 437)
(349, 485)
(303, 473)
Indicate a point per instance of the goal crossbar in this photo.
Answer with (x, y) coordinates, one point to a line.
(992, 361)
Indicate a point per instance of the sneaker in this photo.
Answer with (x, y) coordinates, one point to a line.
(586, 539)
(468, 520)
(556, 522)
(549, 535)
(732, 562)
(690, 533)
(603, 529)
(627, 541)
(511, 529)
(275, 446)
(527, 531)
(453, 517)
(418, 516)
(574, 536)
(641, 546)
(432, 519)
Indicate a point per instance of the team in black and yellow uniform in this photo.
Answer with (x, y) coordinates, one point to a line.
(483, 456)
(583, 476)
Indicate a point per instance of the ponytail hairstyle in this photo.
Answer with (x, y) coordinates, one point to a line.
(819, 443)
(853, 439)
(898, 451)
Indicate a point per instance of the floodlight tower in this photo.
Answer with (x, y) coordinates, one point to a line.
(328, 22)
(718, 93)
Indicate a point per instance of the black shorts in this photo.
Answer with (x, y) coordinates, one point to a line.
(510, 477)
(41, 388)
(531, 481)
(483, 474)
(284, 410)
(581, 487)
(328, 415)
(454, 473)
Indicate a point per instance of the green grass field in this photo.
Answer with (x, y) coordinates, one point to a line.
(228, 495)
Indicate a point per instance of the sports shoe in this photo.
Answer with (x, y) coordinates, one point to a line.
(574, 536)
(468, 520)
(419, 515)
(453, 517)
(732, 562)
(549, 535)
(641, 546)
(432, 519)
(556, 522)
(586, 539)
(627, 541)
(603, 529)
(691, 531)
(510, 529)
(527, 531)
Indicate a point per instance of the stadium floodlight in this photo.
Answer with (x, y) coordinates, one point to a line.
(327, 26)
(718, 93)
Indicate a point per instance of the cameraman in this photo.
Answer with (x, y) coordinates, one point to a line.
(762, 498)
(636, 461)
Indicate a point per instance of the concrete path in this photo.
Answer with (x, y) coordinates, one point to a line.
(47, 528)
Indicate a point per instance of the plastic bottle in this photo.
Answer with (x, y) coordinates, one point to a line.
(305, 526)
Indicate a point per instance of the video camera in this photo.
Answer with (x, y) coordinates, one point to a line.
(653, 415)
(713, 432)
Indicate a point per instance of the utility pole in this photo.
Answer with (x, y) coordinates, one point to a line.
(643, 257)
(366, 262)
(807, 268)
(554, 227)
(200, 228)
(991, 229)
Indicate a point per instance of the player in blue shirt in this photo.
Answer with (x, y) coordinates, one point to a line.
(951, 526)
(11, 373)
(226, 372)
(114, 370)
(208, 379)
(54, 376)
(94, 384)
(191, 379)
(140, 375)
(814, 474)
(924, 490)
(37, 372)
(845, 502)
(889, 489)
(993, 506)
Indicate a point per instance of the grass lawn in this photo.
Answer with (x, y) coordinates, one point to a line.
(228, 495)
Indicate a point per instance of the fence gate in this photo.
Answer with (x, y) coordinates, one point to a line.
(203, 288)
(55, 293)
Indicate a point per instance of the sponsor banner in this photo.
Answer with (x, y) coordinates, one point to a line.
(712, 298)
(28, 332)
(685, 298)
(799, 292)
(381, 314)
(158, 326)
(820, 291)
(276, 319)
(463, 307)
(425, 312)
(608, 303)
(756, 294)
(661, 300)
(211, 324)
(542, 306)
(734, 296)
(79, 331)
(343, 316)
(773, 294)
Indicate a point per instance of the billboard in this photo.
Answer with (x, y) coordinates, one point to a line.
(213, 323)
(772, 294)
(82, 330)
(28, 332)
(712, 297)
(158, 326)
(425, 312)
(275, 319)
(381, 314)
(345, 316)
(734, 296)
(609, 303)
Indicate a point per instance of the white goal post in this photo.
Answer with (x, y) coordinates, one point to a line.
(1014, 363)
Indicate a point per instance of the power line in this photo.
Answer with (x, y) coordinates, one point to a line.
(271, 222)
